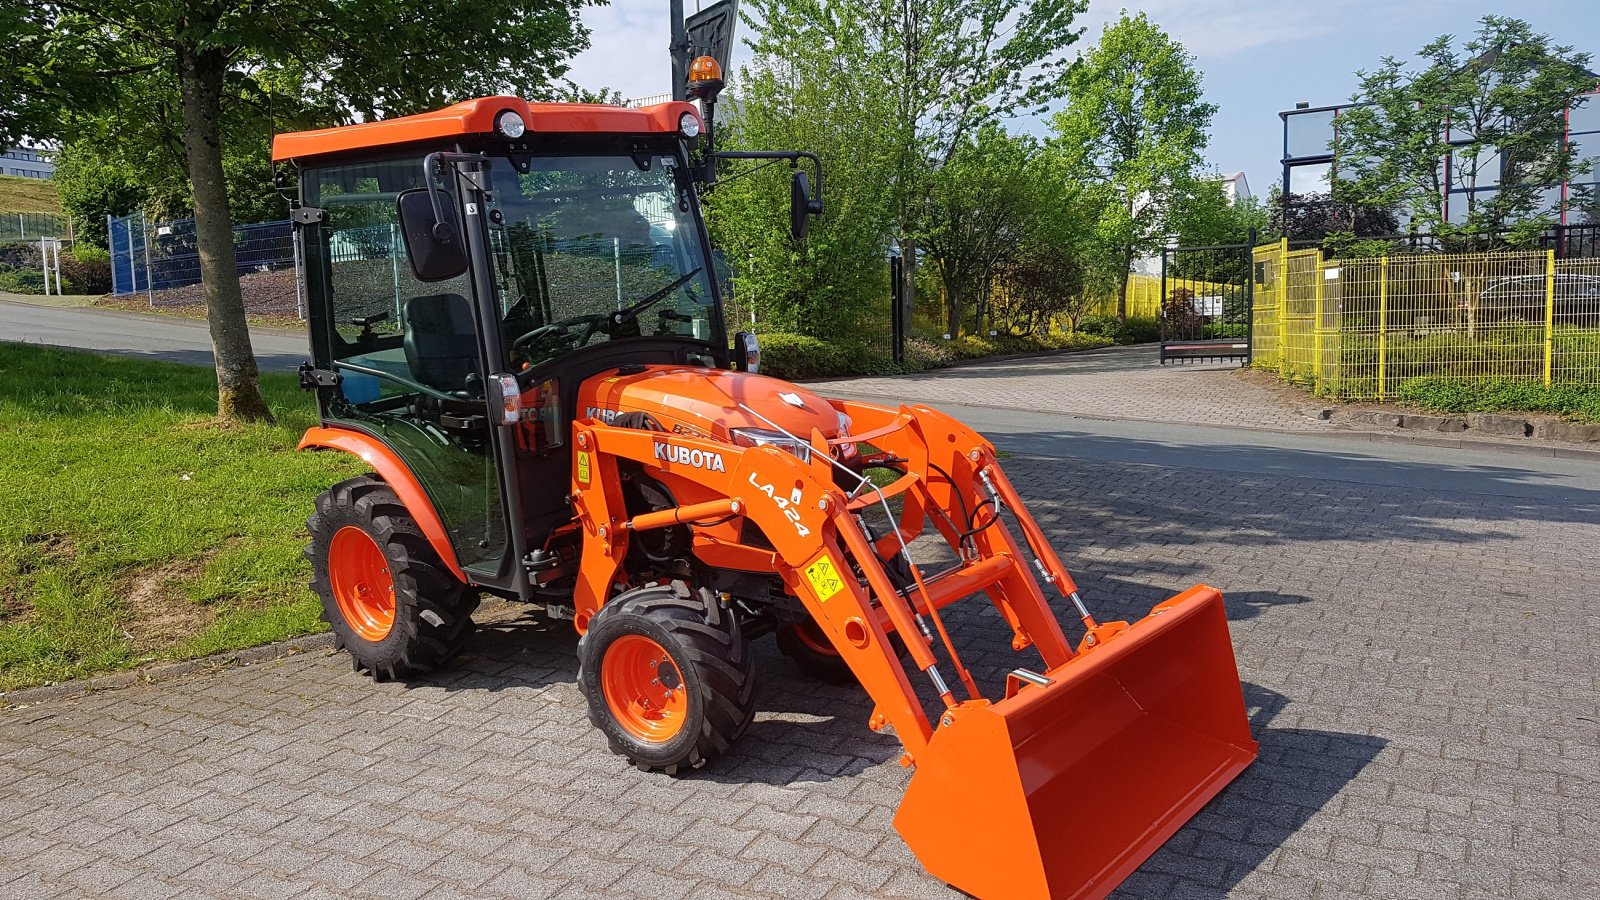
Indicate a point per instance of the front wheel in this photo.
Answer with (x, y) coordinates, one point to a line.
(385, 593)
(668, 677)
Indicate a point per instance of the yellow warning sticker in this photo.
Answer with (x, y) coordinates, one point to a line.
(583, 466)
(824, 578)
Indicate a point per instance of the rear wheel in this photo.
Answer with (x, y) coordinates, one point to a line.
(668, 676)
(384, 591)
(811, 650)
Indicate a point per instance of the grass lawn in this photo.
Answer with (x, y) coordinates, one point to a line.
(28, 195)
(133, 527)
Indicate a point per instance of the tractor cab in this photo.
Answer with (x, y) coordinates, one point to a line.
(466, 271)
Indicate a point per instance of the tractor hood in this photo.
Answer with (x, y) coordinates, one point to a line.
(703, 401)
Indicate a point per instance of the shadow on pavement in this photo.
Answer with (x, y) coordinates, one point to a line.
(1298, 772)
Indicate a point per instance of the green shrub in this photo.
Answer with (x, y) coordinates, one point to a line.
(21, 281)
(1135, 330)
(797, 357)
(88, 269)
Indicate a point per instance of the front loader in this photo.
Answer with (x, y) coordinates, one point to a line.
(516, 323)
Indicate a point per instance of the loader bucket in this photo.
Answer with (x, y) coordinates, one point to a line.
(1065, 788)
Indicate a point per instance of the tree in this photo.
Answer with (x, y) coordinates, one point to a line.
(982, 202)
(1132, 132)
(834, 283)
(1495, 106)
(936, 70)
(192, 62)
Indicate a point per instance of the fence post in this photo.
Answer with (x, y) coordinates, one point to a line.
(1283, 307)
(144, 238)
(1250, 297)
(1383, 322)
(1316, 321)
(1549, 314)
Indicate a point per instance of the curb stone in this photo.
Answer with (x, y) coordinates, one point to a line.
(168, 671)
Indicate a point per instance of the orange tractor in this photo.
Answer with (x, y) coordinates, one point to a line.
(517, 324)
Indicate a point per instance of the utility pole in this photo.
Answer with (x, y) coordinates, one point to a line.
(680, 52)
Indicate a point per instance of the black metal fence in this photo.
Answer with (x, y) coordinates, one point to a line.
(1206, 302)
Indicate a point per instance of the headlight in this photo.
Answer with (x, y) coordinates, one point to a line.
(760, 437)
(509, 124)
(689, 125)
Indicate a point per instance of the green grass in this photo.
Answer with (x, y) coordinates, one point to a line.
(1578, 402)
(28, 195)
(136, 527)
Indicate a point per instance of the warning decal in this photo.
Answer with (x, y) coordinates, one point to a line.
(824, 578)
(583, 466)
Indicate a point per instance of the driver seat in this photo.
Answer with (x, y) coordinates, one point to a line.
(441, 343)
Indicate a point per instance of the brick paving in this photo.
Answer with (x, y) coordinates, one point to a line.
(1117, 382)
(1421, 671)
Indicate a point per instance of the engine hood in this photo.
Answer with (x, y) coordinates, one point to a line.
(703, 401)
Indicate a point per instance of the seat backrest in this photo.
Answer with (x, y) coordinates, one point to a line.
(441, 341)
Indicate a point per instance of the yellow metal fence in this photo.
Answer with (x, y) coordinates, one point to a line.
(1144, 299)
(1357, 328)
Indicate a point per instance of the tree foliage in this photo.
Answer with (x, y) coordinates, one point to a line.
(180, 83)
(1132, 132)
(1495, 104)
(905, 82)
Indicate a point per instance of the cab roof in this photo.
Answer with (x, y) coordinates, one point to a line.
(473, 117)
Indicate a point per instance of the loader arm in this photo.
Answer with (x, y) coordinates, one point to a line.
(1154, 707)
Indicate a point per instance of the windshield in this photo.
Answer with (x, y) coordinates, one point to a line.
(578, 239)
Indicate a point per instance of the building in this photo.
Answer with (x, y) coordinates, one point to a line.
(26, 162)
(1309, 165)
(1236, 188)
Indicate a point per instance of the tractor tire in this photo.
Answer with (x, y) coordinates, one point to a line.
(812, 652)
(810, 649)
(687, 648)
(385, 592)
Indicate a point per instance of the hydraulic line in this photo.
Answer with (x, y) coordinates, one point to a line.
(905, 553)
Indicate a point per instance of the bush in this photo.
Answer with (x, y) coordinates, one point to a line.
(21, 281)
(88, 269)
(1136, 330)
(797, 357)
(1496, 395)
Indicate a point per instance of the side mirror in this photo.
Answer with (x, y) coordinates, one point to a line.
(746, 352)
(432, 236)
(801, 206)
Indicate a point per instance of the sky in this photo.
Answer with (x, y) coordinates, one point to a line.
(1257, 57)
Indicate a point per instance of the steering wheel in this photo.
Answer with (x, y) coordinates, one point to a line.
(563, 329)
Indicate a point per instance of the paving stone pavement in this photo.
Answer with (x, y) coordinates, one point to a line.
(1421, 672)
(1117, 382)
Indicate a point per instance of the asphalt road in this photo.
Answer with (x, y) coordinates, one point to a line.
(166, 338)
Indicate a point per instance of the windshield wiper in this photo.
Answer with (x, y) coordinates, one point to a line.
(628, 314)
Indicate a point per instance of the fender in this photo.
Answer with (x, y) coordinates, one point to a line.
(394, 471)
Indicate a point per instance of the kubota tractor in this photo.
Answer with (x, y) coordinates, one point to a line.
(516, 323)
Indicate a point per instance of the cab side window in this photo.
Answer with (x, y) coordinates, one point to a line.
(382, 318)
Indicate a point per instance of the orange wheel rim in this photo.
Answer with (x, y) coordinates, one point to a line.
(644, 688)
(362, 585)
(810, 635)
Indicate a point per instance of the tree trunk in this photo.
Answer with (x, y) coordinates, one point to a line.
(200, 76)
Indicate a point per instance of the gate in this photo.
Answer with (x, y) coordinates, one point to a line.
(1206, 301)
